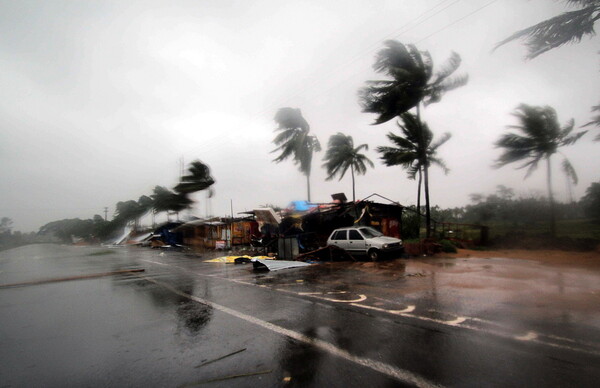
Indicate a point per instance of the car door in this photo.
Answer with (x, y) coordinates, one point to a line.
(339, 239)
(356, 242)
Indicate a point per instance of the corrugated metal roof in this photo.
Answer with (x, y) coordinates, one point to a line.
(276, 265)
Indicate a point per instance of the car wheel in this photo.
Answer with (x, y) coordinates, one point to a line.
(374, 254)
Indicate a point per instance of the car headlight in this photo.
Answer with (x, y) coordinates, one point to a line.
(384, 246)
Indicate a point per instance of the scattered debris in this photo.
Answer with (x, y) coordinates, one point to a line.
(225, 378)
(276, 265)
(328, 253)
(220, 358)
(237, 259)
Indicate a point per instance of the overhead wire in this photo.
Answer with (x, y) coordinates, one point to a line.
(419, 41)
(403, 29)
(371, 48)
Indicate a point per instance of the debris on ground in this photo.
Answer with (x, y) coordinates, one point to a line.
(237, 259)
(226, 378)
(276, 265)
(220, 358)
(328, 253)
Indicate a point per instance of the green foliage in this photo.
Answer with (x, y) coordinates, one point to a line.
(412, 81)
(415, 149)
(591, 201)
(540, 137)
(198, 179)
(410, 224)
(341, 155)
(448, 246)
(294, 141)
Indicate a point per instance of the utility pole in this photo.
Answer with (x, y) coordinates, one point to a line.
(231, 225)
(105, 213)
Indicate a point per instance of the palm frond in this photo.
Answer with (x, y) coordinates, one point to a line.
(568, 27)
(569, 171)
(452, 64)
(439, 142)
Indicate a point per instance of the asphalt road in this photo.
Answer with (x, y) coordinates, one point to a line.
(183, 322)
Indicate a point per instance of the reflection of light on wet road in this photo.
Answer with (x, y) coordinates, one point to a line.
(462, 322)
(378, 366)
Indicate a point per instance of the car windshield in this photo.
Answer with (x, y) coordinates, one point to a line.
(370, 232)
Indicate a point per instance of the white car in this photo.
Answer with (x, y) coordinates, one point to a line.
(365, 240)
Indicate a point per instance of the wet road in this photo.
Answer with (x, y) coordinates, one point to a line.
(183, 322)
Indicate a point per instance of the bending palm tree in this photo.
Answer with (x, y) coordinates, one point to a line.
(198, 179)
(415, 151)
(541, 137)
(341, 156)
(295, 141)
(412, 81)
(568, 27)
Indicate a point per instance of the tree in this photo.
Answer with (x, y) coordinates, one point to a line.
(541, 138)
(198, 179)
(165, 200)
(294, 141)
(595, 120)
(341, 155)
(415, 151)
(412, 81)
(568, 27)
(591, 201)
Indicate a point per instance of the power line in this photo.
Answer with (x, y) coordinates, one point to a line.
(419, 41)
(372, 47)
(458, 20)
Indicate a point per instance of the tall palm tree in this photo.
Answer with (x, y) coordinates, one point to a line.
(294, 141)
(341, 155)
(541, 137)
(415, 151)
(412, 82)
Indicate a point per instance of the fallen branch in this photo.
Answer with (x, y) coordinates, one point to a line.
(80, 277)
(225, 378)
(220, 358)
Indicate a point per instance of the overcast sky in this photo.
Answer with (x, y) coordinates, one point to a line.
(100, 100)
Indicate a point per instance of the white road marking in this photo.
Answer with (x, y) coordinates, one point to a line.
(406, 313)
(378, 366)
(156, 262)
(456, 321)
(531, 335)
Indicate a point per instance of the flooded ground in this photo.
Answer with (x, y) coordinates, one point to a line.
(454, 321)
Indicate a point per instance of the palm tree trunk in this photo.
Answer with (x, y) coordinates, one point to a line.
(550, 197)
(427, 211)
(308, 186)
(353, 192)
(419, 202)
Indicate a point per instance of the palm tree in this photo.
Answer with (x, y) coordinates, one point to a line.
(541, 137)
(342, 155)
(415, 151)
(166, 200)
(295, 141)
(595, 120)
(568, 27)
(412, 81)
(198, 179)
